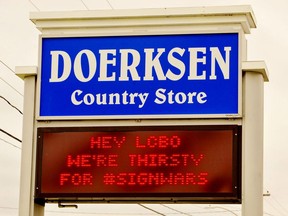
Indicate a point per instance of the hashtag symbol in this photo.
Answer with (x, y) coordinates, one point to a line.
(109, 179)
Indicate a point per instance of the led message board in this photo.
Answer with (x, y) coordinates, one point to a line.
(166, 163)
(147, 76)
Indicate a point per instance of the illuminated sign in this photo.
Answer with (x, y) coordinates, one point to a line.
(166, 163)
(147, 76)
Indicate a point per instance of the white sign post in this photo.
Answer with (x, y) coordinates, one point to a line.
(154, 82)
(255, 74)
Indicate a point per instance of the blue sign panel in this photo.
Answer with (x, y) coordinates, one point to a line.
(159, 75)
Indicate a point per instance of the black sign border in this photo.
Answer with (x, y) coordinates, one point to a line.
(234, 197)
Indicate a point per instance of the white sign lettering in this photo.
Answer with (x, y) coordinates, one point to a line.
(153, 66)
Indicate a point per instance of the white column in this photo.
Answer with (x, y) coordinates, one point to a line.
(252, 149)
(27, 207)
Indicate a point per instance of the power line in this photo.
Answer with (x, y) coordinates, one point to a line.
(34, 5)
(110, 4)
(10, 143)
(151, 209)
(156, 212)
(225, 209)
(173, 209)
(6, 81)
(282, 207)
(84, 4)
(11, 105)
(7, 66)
(279, 208)
(10, 135)
(275, 208)
(11, 86)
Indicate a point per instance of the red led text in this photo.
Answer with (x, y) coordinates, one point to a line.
(160, 160)
(106, 142)
(88, 160)
(117, 162)
(76, 179)
(158, 142)
(157, 178)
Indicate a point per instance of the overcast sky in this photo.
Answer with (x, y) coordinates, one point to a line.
(19, 47)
